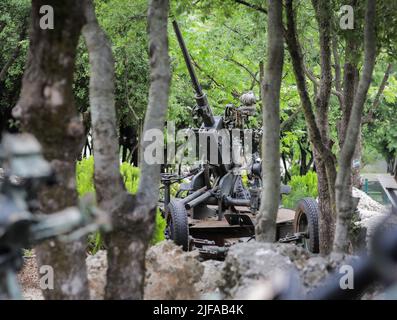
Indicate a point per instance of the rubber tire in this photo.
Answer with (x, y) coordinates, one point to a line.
(177, 213)
(309, 208)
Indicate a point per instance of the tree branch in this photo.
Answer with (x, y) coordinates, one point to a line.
(2, 26)
(316, 83)
(370, 116)
(15, 53)
(338, 73)
(286, 124)
(337, 67)
(253, 75)
(252, 6)
(213, 80)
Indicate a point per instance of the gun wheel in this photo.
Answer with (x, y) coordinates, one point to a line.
(177, 228)
(306, 221)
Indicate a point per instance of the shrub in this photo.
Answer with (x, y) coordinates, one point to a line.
(302, 186)
(130, 175)
(85, 176)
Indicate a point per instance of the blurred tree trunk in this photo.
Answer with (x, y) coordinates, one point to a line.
(47, 109)
(265, 229)
(344, 200)
(133, 216)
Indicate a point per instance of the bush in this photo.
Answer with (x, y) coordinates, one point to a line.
(302, 186)
(130, 174)
(85, 176)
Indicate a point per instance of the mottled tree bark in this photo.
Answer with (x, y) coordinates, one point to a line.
(46, 109)
(344, 200)
(133, 217)
(265, 228)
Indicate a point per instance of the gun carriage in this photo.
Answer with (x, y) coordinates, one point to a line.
(216, 208)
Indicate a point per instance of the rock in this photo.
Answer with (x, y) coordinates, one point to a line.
(172, 273)
(314, 271)
(208, 286)
(96, 271)
(366, 202)
(251, 263)
(256, 270)
(371, 215)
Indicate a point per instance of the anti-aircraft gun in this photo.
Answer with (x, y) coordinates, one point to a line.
(217, 204)
(23, 172)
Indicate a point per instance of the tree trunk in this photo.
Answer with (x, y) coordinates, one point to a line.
(350, 83)
(133, 217)
(114, 200)
(265, 229)
(46, 109)
(318, 137)
(126, 271)
(344, 200)
(351, 77)
(325, 183)
(103, 113)
(325, 203)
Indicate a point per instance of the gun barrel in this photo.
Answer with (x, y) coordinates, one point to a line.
(202, 101)
(188, 61)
